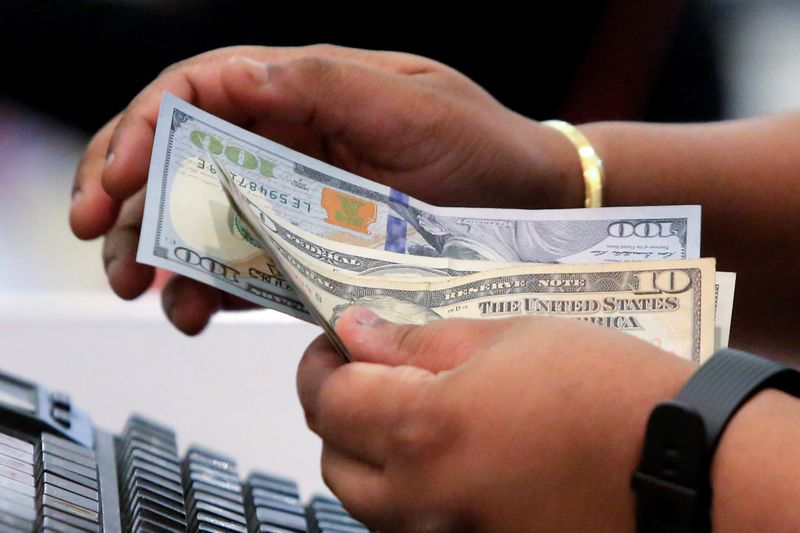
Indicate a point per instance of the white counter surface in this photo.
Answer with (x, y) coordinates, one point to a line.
(230, 389)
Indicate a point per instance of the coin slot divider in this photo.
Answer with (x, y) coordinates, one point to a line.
(150, 482)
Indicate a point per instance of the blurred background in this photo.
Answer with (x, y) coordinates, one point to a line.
(72, 64)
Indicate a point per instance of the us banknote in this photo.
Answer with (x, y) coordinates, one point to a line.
(726, 285)
(189, 228)
(668, 303)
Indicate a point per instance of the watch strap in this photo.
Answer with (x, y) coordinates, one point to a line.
(729, 379)
(672, 482)
(671, 493)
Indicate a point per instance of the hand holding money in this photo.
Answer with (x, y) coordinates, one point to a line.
(488, 155)
(409, 226)
(467, 424)
(288, 232)
(303, 206)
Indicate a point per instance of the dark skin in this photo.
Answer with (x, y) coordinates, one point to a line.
(470, 398)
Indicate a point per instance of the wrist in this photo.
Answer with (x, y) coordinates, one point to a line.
(754, 471)
(551, 175)
(657, 377)
(644, 382)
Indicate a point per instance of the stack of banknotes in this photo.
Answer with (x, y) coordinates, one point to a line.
(288, 232)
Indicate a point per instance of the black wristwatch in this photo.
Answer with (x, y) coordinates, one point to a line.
(672, 482)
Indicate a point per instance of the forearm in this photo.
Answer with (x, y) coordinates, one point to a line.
(756, 470)
(746, 175)
(660, 163)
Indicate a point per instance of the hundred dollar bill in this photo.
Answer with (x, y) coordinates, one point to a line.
(189, 228)
(668, 303)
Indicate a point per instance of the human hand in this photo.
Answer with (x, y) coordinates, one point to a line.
(525, 424)
(399, 119)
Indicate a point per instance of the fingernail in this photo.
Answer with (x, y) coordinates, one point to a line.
(258, 70)
(77, 194)
(110, 159)
(364, 316)
(109, 264)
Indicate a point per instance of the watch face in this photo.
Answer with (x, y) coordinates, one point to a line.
(17, 395)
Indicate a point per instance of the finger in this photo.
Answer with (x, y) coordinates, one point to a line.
(318, 362)
(399, 62)
(127, 278)
(190, 304)
(376, 413)
(131, 144)
(197, 81)
(333, 98)
(229, 302)
(436, 346)
(361, 488)
(93, 211)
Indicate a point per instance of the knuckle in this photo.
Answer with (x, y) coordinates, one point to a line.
(117, 132)
(328, 472)
(100, 140)
(316, 68)
(410, 339)
(446, 111)
(434, 521)
(334, 400)
(424, 429)
(119, 244)
(310, 418)
(366, 506)
(319, 344)
(333, 396)
(361, 505)
(325, 50)
(309, 411)
(306, 385)
(381, 512)
(170, 69)
(431, 113)
(108, 251)
(202, 58)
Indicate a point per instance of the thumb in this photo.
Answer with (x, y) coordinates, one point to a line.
(436, 346)
(348, 100)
